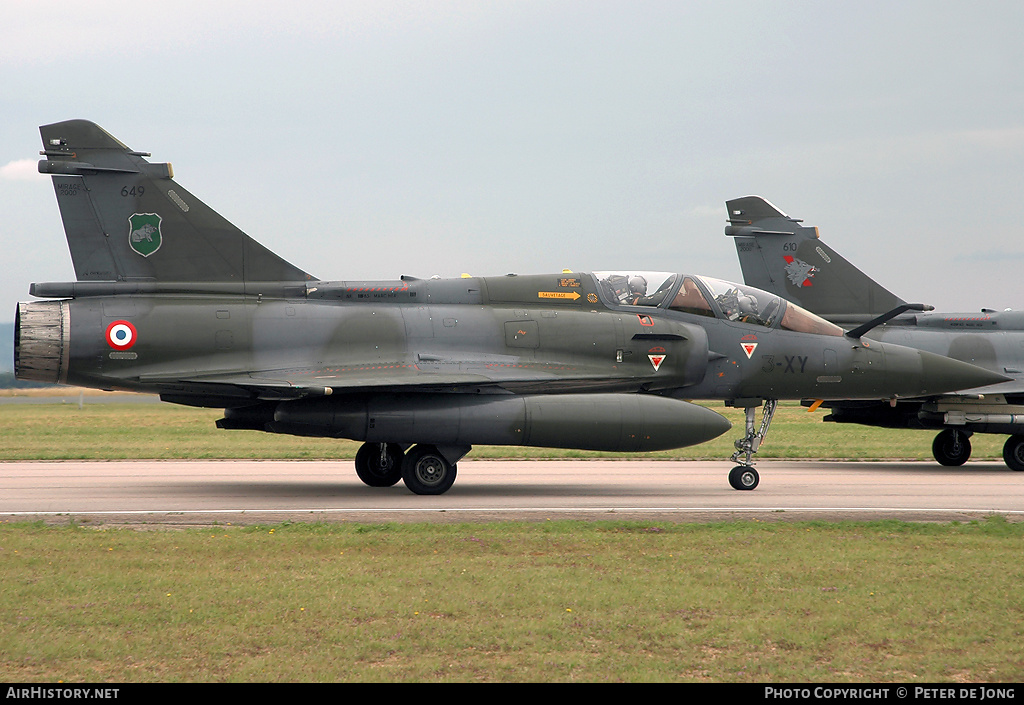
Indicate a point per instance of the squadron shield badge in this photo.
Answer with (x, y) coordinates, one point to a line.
(144, 233)
(800, 273)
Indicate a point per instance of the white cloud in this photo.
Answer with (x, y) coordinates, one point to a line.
(706, 211)
(20, 170)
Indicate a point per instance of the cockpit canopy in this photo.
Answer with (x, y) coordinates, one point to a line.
(706, 296)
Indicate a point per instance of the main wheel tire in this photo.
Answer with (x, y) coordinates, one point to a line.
(951, 448)
(375, 473)
(742, 477)
(426, 471)
(1013, 452)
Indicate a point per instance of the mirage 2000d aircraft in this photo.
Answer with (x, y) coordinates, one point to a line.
(779, 254)
(172, 299)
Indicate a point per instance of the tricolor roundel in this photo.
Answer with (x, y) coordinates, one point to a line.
(121, 335)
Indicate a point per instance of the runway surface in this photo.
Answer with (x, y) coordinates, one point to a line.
(190, 493)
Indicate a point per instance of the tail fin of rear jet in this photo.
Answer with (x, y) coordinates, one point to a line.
(126, 219)
(780, 255)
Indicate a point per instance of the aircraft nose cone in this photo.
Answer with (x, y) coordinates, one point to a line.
(941, 374)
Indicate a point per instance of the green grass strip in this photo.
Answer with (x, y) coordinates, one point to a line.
(550, 602)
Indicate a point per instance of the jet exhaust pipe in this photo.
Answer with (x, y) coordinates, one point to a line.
(604, 422)
(42, 341)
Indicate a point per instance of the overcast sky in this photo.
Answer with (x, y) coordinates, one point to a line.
(368, 139)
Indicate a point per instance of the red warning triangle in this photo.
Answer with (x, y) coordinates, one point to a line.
(656, 360)
(748, 348)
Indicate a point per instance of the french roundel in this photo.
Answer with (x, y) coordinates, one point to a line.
(121, 335)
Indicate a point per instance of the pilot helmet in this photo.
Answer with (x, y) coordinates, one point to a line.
(747, 303)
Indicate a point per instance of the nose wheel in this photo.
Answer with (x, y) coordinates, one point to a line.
(744, 476)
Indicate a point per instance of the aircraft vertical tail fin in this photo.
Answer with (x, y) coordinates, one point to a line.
(126, 219)
(780, 255)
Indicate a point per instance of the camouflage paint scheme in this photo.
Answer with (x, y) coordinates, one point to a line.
(782, 256)
(171, 298)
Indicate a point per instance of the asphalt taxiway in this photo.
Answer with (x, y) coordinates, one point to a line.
(244, 492)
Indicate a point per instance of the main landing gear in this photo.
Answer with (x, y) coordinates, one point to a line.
(744, 476)
(952, 448)
(379, 464)
(424, 468)
(1013, 452)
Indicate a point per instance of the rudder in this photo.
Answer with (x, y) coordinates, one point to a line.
(126, 219)
(780, 255)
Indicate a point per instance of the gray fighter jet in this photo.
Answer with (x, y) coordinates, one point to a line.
(780, 255)
(170, 298)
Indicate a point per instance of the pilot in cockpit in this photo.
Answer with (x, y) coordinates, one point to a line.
(658, 296)
(737, 305)
(637, 289)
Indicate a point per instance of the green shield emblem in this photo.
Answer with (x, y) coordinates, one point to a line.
(144, 233)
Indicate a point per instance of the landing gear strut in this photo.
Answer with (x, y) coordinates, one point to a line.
(744, 476)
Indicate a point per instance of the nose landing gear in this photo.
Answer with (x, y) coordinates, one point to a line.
(744, 476)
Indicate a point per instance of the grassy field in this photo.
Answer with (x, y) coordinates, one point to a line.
(544, 602)
(744, 601)
(111, 430)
